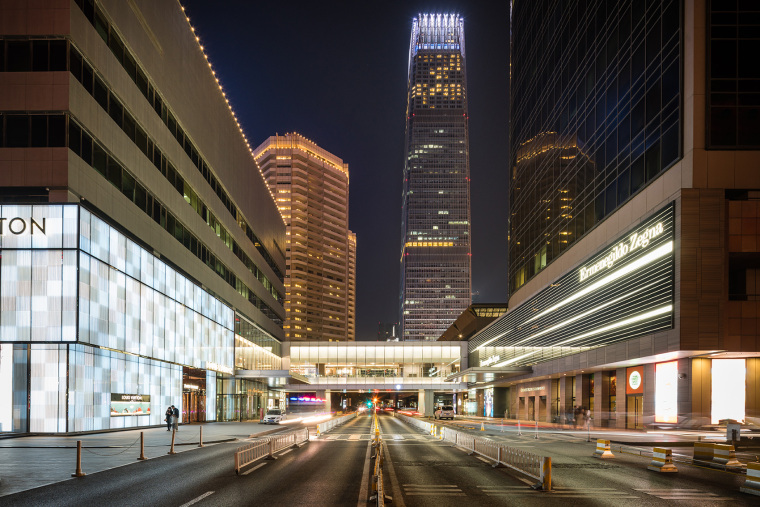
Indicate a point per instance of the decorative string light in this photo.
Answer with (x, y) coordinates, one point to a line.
(229, 106)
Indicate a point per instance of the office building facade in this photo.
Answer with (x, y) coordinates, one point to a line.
(633, 252)
(311, 188)
(140, 267)
(436, 269)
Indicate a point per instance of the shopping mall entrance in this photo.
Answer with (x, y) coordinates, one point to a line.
(193, 395)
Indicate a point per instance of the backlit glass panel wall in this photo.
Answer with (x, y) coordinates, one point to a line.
(130, 300)
(729, 389)
(96, 373)
(624, 291)
(596, 116)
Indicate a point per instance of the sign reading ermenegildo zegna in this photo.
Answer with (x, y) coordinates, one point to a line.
(18, 226)
(636, 241)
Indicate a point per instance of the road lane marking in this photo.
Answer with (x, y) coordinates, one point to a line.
(433, 489)
(196, 500)
(285, 452)
(255, 468)
(684, 494)
(354, 437)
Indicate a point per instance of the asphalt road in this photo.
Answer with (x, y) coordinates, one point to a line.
(436, 474)
(332, 470)
(320, 473)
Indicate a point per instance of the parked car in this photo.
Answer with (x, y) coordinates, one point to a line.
(444, 412)
(273, 416)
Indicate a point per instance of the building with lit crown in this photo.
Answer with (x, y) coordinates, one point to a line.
(435, 238)
(141, 252)
(311, 188)
(634, 242)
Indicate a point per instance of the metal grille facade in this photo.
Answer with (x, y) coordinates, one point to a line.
(624, 291)
(435, 246)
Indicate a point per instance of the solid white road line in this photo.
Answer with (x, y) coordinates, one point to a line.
(196, 500)
(254, 468)
(285, 452)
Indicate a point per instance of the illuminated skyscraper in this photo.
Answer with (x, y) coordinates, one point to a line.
(435, 242)
(310, 186)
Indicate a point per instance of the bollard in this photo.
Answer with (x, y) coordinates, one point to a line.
(724, 454)
(482, 426)
(79, 472)
(603, 449)
(546, 474)
(536, 437)
(200, 437)
(662, 460)
(519, 433)
(142, 446)
(171, 451)
(752, 483)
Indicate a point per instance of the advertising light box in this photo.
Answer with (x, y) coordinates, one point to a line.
(666, 392)
(729, 389)
(129, 404)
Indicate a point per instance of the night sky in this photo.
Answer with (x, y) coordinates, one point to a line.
(336, 72)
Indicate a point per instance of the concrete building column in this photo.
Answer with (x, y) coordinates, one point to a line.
(650, 384)
(565, 398)
(601, 399)
(582, 390)
(620, 396)
(425, 402)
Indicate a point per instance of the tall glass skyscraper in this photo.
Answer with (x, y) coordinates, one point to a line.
(435, 223)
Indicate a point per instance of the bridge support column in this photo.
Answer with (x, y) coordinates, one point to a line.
(425, 402)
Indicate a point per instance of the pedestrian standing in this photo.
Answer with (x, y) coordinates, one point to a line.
(587, 417)
(175, 418)
(168, 419)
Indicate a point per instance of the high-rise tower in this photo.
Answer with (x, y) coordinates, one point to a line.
(435, 222)
(310, 186)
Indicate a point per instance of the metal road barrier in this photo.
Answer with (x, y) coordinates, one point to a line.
(266, 447)
(334, 423)
(532, 465)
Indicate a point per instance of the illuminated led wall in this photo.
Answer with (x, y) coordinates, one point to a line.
(622, 292)
(666, 392)
(111, 316)
(729, 389)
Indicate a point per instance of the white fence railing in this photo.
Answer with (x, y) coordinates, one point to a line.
(334, 423)
(532, 465)
(266, 447)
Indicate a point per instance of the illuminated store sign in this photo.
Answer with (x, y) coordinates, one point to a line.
(218, 367)
(635, 382)
(18, 225)
(636, 241)
(666, 392)
(489, 360)
(531, 389)
(129, 404)
(729, 389)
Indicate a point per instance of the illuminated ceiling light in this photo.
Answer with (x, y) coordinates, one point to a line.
(628, 268)
(491, 340)
(510, 361)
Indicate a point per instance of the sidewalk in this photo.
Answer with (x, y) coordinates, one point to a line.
(33, 461)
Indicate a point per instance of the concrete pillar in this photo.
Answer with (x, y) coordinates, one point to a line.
(425, 402)
(499, 401)
(328, 400)
(582, 390)
(565, 399)
(601, 399)
(620, 396)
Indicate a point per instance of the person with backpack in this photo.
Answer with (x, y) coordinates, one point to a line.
(168, 419)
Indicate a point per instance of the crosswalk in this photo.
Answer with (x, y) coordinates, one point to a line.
(684, 494)
(367, 436)
(558, 492)
(438, 490)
